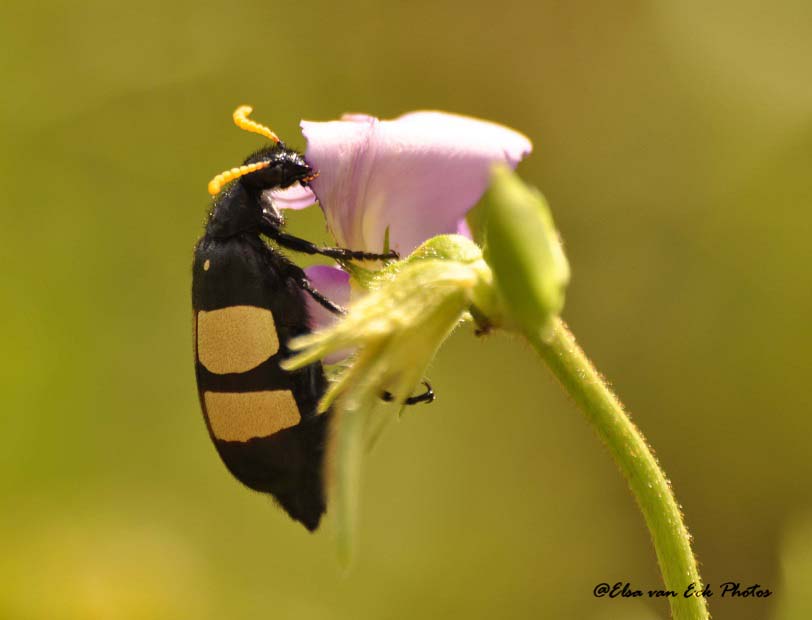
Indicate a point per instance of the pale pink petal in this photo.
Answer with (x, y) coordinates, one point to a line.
(340, 148)
(463, 229)
(294, 197)
(417, 175)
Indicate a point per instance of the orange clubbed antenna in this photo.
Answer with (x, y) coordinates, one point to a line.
(242, 121)
(216, 184)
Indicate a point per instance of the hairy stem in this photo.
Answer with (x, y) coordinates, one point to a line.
(647, 480)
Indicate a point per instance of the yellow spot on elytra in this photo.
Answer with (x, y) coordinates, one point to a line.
(242, 121)
(206, 265)
(240, 416)
(235, 339)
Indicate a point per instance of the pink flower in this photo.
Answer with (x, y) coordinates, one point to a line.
(416, 175)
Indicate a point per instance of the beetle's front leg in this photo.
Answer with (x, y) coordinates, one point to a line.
(297, 244)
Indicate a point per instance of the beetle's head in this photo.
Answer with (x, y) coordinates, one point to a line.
(239, 207)
(281, 167)
(274, 166)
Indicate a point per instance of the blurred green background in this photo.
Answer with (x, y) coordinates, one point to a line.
(674, 143)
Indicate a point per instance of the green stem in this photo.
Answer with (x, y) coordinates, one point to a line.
(346, 456)
(647, 480)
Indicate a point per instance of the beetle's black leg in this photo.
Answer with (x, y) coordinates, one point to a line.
(307, 286)
(425, 397)
(306, 247)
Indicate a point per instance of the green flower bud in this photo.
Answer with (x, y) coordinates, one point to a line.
(524, 250)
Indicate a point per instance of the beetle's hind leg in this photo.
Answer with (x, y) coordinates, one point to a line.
(307, 286)
(426, 397)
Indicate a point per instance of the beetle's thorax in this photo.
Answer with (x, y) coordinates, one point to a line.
(237, 210)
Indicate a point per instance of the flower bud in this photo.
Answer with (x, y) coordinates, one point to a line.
(524, 251)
